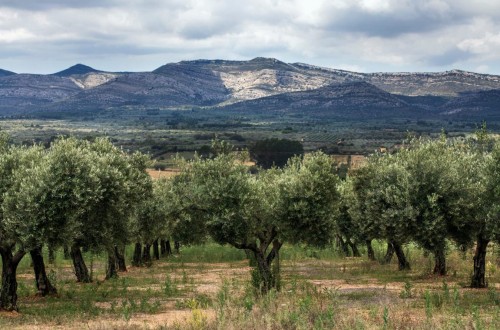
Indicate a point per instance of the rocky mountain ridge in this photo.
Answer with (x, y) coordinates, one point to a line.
(260, 84)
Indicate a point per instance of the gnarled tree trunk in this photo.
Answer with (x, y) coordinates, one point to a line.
(156, 251)
(120, 258)
(440, 262)
(388, 254)
(479, 275)
(265, 279)
(168, 247)
(111, 271)
(403, 264)
(354, 248)
(163, 247)
(42, 282)
(81, 270)
(52, 255)
(342, 245)
(369, 249)
(8, 294)
(177, 247)
(267, 276)
(137, 258)
(67, 255)
(146, 254)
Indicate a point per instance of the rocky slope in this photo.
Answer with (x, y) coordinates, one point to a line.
(261, 84)
(341, 100)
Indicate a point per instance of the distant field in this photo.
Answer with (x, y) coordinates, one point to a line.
(353, 161)
(184, 132)
(157, 174)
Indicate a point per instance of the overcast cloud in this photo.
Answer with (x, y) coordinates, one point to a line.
(45, 36)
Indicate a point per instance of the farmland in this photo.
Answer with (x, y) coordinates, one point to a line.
(207, 287)
(287, 234)
(171, 132)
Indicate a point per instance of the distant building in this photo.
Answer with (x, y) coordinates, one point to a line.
(382, 150)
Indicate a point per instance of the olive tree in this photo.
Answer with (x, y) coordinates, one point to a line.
(122, 184)
(82, 195)
(488, 225)
(443, 189)
(428, 193)
(259, 213)
(150, 223)
(377, 203)
(348, 229)
(15, 163)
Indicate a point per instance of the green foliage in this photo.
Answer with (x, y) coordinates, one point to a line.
(427, 192)
(308, 201)
(150, 220)
(221, 197)
(275, 152)
(77, 191)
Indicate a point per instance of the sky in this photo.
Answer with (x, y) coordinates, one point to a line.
(46, 36)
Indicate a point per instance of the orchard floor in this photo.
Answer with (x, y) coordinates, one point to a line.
(209, 287)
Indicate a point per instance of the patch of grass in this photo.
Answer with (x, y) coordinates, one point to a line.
(320, 290)
(208, 253)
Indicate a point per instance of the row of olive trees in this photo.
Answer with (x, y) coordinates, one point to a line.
(430, 193)
(92, 196)
(76, 193)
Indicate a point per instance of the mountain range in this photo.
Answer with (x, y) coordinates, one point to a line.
(259, 85)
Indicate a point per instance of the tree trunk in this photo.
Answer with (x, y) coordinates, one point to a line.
(42, 282)
(67, 255)
(439, 262)
(156, 251)
(275, 254)
(252, 262)
(265, 280)
(267, 276)
(146, 255)
(120, 258)
(52, 255)
(388, 254)
(479, 275)
(342, 245)
(163, 247)
(8, 295)
(111, 271)
(403, 264)
(354, 248)
(168, 248)
(369, 249)
(81, 271)
(137, 258)
(177, 246)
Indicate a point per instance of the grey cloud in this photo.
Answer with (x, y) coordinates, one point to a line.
(386, 24)
(203, 30)
(396, 35)
(103, 48)
(383, 25)
(36, 5)
(449, 57)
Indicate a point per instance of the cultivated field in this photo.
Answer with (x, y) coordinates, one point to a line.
(209, 287)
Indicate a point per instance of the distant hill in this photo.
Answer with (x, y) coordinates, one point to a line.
(4, 73)
(77, 69)
(258, 85)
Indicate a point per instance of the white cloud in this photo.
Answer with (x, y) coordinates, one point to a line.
(374, 35)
